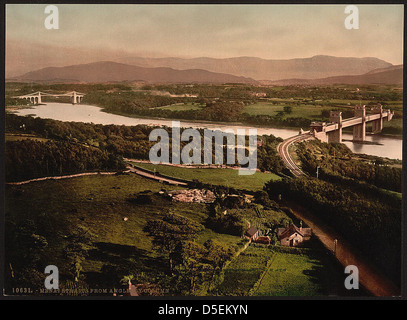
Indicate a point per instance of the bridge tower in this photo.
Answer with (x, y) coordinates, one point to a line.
(359, 130)
(336, 135)
(39, 98)
(74, 98)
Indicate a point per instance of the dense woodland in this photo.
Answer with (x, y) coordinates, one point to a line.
(335, 159)
(29, 159)
(75, 147)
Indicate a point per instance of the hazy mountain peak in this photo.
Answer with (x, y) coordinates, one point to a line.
(318, 66)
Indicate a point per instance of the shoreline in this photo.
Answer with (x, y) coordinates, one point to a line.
(13, 109)
(206, 122)
(203, 122)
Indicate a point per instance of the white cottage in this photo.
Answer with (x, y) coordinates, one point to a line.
(293, 236)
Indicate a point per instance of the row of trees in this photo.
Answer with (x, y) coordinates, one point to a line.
(28, 159)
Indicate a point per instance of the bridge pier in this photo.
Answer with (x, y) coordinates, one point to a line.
(359, 130)
(332, 132)
(76, 98)
(336, 135)
(377, 125)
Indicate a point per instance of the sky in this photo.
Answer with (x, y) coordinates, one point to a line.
(89, 33)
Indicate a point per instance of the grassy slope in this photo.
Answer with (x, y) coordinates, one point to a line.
(226, 177)
(99, 204)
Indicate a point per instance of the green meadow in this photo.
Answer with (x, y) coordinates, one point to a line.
(99, 204)
(225, 177)
(264, 271)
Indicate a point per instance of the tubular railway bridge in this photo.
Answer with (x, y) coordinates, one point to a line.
(332, 131)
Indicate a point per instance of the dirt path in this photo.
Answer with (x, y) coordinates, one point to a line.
(369, 277)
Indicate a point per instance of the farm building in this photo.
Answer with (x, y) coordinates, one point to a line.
(263, 240)
(292, 236)
(252, 233)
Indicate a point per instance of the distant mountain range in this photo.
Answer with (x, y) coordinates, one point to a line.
(262, 69)
(307, 71)
(108, 71)
(390, 75)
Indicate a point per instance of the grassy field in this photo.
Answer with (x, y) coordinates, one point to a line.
(272, 108)
(182, 107)
(99, 204)
(261, 271)
(293, 275)
(225, 177)
(313, 111)
(243, 272)
(19, 137)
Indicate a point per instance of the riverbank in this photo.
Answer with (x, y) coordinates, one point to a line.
(392, 147)
(234, 123)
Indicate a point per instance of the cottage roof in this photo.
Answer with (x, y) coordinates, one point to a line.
(251, 231)
(291, 229)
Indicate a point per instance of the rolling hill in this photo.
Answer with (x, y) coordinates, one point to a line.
(390, 75)
(107, 71)
(320, 66)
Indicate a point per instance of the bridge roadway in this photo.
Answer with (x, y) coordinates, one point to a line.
(349, 122)
(285, 155)
(35, 97)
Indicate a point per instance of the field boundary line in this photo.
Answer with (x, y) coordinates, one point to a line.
(256, 286)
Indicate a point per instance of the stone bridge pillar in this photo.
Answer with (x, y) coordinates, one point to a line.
(390, 114)
(377, 125)
(359, 130)
(74, 98)
(336, 135)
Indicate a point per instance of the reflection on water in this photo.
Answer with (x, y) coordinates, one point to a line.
(390, 147)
